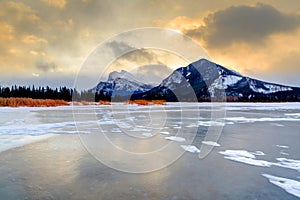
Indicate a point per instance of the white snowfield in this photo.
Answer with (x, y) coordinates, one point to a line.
(223, 82)
(270, 88)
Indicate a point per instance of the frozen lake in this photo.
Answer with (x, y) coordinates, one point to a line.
(195, 151)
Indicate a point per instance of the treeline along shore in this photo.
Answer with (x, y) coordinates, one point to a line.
(46, 96)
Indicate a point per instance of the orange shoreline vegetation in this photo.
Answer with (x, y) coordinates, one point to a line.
(17, 102)
(29, 102)
(146, 102)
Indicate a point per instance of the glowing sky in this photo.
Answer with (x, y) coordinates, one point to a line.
(44, 42)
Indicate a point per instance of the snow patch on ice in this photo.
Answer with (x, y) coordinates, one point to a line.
(276, 124)
(211, 143)
(282, 146)
(293, 114)
(249, 158)
(210, 123)
(116, 130)
(147, 134)
(245, 157)
(284, 153)
(165, 133)
(288, 163)
(190, 148)
(289, 185)
(263, 119)
(176, 139)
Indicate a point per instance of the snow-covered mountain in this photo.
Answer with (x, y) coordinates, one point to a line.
(121, 84)
(204, 79)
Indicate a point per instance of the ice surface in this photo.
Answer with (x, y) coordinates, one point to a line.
(289, 185)
(211, 143)
(165, 133)
(190, 148)
(176, 139)
(12, 141)
(276, 124)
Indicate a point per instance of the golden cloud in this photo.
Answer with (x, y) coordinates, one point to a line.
(180, 23)
(32, 39)
(56, 3)
(6, 32)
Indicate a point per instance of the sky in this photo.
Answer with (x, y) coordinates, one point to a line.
(46, 42)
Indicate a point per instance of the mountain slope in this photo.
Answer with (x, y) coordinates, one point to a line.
(121, 84)
(203, 80)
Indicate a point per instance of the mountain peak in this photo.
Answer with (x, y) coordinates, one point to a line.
(201, 61)
(122, 74)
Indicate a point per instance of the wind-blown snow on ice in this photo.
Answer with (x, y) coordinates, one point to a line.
(249, 158)
(176, 139)
(282, 146)
(164, 133)
(245, 157)
(262, 119)
(190, 148)
(211, 143)
(289, 185)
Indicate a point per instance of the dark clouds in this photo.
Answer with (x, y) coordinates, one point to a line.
(119, 48)
(152, 74)
(46, 66)
(132, 54)
(244, 24)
